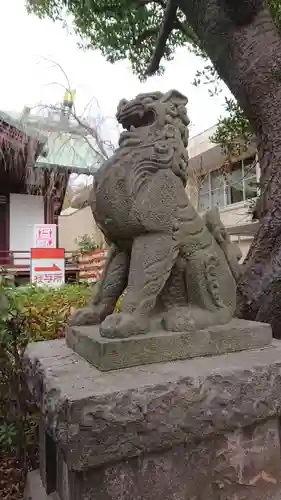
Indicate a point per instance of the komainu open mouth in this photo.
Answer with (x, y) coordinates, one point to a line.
(136, 118)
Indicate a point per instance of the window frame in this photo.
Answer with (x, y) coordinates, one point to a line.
(226, 186)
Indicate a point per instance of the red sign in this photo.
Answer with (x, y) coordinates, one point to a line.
(48, 266)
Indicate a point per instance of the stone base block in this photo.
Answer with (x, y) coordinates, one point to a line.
(112, 354)
(239, 465)
(205, 428)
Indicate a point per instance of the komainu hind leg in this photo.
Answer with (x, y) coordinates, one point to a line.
(190, 318)
(110, 288)
(153, 256)
(211, 294)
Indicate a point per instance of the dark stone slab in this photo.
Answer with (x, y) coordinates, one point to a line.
(111, 354)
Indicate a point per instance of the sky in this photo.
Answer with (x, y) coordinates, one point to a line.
(29, 78)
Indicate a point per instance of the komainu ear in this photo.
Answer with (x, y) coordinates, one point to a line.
(175, 97)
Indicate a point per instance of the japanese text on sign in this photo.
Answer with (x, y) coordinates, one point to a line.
(48, 266)
(45, 236)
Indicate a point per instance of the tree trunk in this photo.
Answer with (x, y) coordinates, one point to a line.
(248, 58)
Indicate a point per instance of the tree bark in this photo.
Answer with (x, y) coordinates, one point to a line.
(248, 58)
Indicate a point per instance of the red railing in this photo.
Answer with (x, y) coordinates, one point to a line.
(91, 265)
(18, 261)
(88, 267)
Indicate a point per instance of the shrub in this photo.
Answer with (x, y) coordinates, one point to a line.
(27, 314)
(46, 310)
(86, 244)
(15, 415)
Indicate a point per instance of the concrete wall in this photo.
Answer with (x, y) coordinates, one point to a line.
(235, 214)
(73, 224)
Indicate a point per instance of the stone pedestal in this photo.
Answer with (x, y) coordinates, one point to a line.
(199, 429)
(113, 354)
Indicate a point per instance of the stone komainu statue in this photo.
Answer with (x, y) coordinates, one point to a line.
(179, 270)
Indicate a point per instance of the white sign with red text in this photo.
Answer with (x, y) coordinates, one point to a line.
(45, 236)
(48, 266)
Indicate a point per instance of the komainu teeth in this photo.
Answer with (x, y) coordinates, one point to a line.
(132, 128)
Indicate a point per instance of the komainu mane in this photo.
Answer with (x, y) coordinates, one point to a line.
(178, 269)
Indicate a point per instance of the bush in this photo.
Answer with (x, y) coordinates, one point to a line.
(86, 244)
(27, 314)
(14, 403)
(46, 310)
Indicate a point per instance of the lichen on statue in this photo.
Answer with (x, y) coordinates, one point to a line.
(177, 269)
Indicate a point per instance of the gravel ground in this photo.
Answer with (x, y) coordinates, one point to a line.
(11, 480)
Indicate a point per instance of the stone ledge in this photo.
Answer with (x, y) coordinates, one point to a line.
(99, 417)
(112, 354)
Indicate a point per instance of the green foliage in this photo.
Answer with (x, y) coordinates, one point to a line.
(124, 29)
(8, 436)
(128, 29)
(46, 310)
(233, 132)
(27, 314)
(14, 400)
(86, 244)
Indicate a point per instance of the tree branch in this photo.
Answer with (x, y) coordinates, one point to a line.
(167, 27)
(170, 22)
(187, 31)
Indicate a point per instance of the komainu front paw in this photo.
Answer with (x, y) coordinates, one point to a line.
(124, 325)
(84, 317)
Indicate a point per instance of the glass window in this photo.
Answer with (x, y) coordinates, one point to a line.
(250, 187)
(204, 193)
(203, 183)
(218, 197)
(221, 189)
(204, 202)
(235, 184)
(217, 188)
(250, 178)
(217, 180)
(249, 165)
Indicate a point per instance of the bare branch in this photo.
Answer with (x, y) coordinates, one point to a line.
(58, 65)
(93, 132)
(76, 127)
(101, 146)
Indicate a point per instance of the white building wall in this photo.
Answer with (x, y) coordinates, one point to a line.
(25, 211)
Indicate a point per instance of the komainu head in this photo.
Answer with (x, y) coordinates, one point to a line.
(154, 110)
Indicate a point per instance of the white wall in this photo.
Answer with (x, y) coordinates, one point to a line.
(25, 211)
